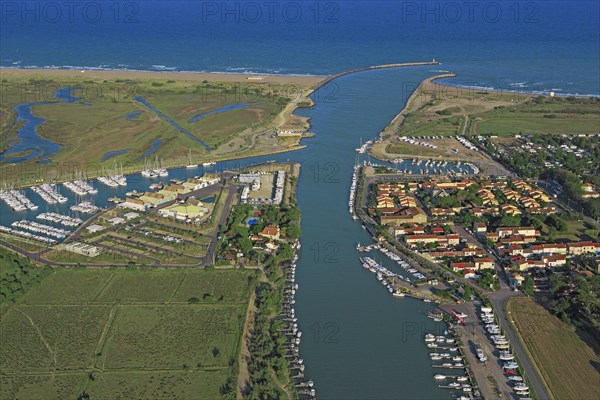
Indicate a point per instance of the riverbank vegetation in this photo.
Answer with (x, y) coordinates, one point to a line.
(265, 236)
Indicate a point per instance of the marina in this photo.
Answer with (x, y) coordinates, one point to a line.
(17, 200)
(60, 219)
(116, 179)
(80, 187)
(49, 193)
(155, 170)
(85, 207)
(353, 191)
(333, 285)
(46, 230)
(383, 275)
(304, 387)
(452, 361)
(26, 235)
(415, 166)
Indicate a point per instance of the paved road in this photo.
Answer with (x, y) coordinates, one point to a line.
(499, 300)
(206, 260)
(209, 257)
(473, 334)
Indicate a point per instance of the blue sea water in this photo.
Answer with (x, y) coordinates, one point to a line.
(359, 343)
(519, 45)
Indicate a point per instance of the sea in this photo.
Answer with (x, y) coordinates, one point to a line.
(359, 342)
(535, 46)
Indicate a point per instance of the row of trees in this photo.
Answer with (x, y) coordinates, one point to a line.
(268, 368)
(17, 275)
(576, 300)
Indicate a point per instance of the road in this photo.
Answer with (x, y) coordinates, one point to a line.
(206, 260)
(473, 334)
(499, 300)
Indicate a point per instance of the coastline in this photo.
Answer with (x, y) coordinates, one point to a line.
(137, 168)
(399, 118)
(310, 82)
(307, 80)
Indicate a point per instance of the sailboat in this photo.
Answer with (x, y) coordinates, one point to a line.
(191, 164)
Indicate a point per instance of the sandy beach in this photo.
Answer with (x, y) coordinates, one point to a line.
(304, 80)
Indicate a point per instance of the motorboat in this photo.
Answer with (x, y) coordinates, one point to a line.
(510, 365)
(506, 356)
(439, 377)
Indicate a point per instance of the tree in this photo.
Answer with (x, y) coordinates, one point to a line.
(468, 292)
(528, 286)
(293, 232)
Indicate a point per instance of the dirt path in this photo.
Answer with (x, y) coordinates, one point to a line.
(39, 333)
(244, 375)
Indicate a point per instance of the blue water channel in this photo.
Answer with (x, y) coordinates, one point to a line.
(28, 140)
(170, 121)
(359, 342)
(226, 108)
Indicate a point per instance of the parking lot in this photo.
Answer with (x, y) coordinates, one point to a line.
(490, 377)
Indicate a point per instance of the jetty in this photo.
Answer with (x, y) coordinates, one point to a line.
(372, 67)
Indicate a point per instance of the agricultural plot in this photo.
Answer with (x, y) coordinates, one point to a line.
(169, 337)
(566, 362)
(186, 384)
(213, 286)
(49, 338)
(134, 287)
(57, 386)
(82, 287)
(124, 333)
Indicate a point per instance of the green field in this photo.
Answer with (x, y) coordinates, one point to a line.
(103, 117)
(549, 115)
(565, 361)
(125, 333)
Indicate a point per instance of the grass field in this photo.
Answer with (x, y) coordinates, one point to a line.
(109, 116)
(568, 365)
(438, 110)
(125, 333)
